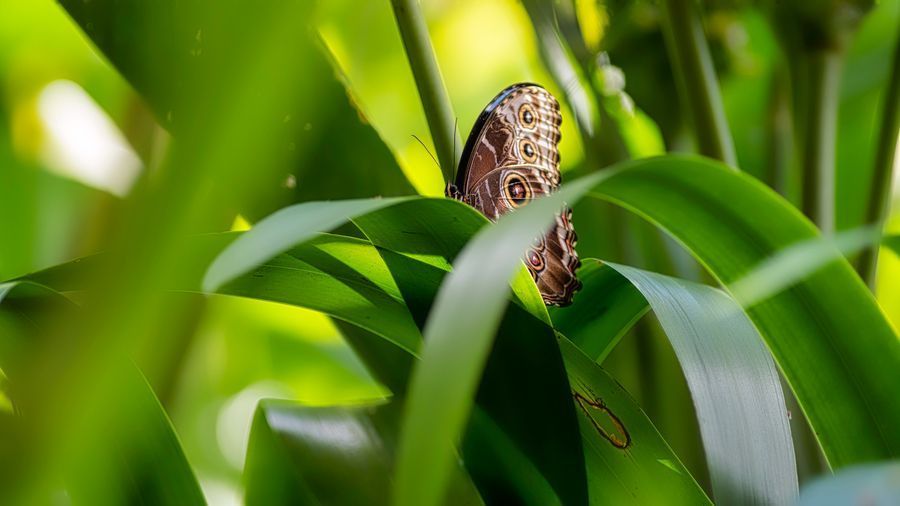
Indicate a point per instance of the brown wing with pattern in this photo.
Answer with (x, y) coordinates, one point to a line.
(510, 158)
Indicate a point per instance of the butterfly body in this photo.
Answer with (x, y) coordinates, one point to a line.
(510, 158)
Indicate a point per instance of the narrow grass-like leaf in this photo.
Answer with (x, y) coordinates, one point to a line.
(734, 385)
(339, 455)
(797, 262)
(151, 463)
(280, 231)
(872, 485)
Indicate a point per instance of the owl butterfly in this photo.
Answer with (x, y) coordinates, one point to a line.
(510, 158)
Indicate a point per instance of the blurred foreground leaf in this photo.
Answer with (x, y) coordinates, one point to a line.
(176, 54)
(873, 485)
(893, 242)
(151, 466)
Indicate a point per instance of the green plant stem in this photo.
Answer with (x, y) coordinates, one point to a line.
(780, 133)
(823, 82)
(432, 91)
(696, 76)
(882, 177)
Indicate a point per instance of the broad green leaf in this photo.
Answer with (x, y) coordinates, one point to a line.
(768, 396)
(734, 385)
(327, 455)
(607, 306)
(873, 485)
(436, 235)
(623, 449)
(150, 463)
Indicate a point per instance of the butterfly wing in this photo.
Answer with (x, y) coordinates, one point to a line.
(520, 126)
(510, 158)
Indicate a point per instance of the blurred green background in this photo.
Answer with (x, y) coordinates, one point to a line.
(74, 137)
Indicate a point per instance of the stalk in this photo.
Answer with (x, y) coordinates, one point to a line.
(818, 144)
(432, 91)
(882, 176)
(696, 76)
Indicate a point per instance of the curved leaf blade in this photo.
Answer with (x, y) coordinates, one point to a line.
(623, 450)
(327, 455)
(278, 232)
(732, 223)
(734, 385)
(458, 346)
(150, 464)
(607, 306)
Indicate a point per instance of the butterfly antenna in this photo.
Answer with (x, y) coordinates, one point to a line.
(455, 130)
(427, 151)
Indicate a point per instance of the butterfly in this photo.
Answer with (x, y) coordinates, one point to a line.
(510, 158)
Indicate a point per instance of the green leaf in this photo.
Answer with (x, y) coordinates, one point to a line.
(797, 262)
(734, 385)
(524, 368)
(607, 306)
(703, 204)
(623, 449)
(873, 484)
(150, 463)
(339, 276)
(346, 278)
(327, 455)
(770, 401)
(180, 76)
(496, 455)
(893, 242)
(845, 385)
(280, 231)
(458, 336)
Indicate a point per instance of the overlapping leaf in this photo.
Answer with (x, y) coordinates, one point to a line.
(152, 465)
